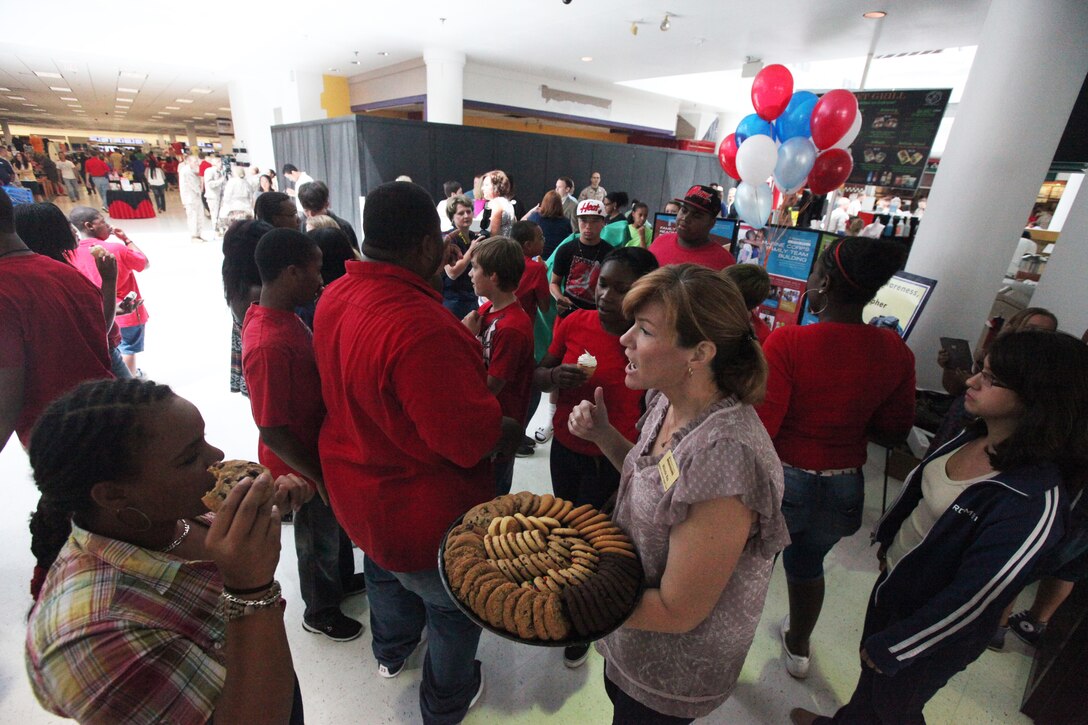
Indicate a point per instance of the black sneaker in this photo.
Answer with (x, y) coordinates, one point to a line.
(575, 655)
(997, 641)
(355, 585)
(1023, 626)
(336, 627)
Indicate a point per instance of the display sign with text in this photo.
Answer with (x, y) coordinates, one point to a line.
(899, 303)
(897, 132)
(787, 254)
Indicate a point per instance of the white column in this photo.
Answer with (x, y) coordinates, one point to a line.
(445, 86)
(1061, 288)
(1026, 75)
(5, 130)
(1065, 204)
(252, 102)
(190, 133)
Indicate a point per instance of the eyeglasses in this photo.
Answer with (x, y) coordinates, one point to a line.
(990, 380)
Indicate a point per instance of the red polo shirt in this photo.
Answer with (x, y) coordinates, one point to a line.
(284, 390)
(97, 167)
(410, 419)
(667, 249)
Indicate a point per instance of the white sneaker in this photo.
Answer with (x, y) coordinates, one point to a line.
(796, 665)
(391, 672)
(544, 432)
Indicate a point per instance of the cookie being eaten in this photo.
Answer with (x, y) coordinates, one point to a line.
(227, 475)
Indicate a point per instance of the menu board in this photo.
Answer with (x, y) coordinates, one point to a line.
(897, 132)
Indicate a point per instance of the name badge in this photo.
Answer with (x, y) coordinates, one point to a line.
(668, 470)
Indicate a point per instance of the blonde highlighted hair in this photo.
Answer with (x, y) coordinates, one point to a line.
(702, 305)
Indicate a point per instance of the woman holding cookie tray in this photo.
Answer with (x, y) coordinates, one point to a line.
(700, 496)
(153, 610)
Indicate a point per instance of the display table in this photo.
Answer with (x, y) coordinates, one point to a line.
(129, 204)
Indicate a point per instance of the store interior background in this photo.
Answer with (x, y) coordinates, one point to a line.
(219, 76)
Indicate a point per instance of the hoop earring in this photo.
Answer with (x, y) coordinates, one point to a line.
(145, 524)
(819, 311)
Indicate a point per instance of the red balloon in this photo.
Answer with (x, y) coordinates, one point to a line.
(832, 117)
(831, 170)
(727, 156)
(771, 91)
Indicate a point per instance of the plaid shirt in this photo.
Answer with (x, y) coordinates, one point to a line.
(124, 634)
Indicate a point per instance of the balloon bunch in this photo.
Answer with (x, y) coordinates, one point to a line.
(800, 138)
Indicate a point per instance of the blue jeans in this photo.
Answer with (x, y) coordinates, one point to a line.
(325, 561)
(101, 185)
(504, 475)
(117, 365)
(73, 189)
(819, 511)
(401, 604)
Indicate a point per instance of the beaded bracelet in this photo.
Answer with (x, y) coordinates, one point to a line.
(232, 607)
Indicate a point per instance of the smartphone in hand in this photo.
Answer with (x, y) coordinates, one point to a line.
(959, 353)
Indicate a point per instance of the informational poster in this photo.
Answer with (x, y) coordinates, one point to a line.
(899, 303)
(897, 132)
(722, 232)
(788, 255)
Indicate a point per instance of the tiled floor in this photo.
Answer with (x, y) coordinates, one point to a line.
(188, 347)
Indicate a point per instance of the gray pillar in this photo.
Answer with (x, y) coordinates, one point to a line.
(1028, 70)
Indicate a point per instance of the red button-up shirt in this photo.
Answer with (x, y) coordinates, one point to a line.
(410, 419)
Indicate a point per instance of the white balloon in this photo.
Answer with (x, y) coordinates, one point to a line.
(753, 203)
(849, 136)
(756, 158)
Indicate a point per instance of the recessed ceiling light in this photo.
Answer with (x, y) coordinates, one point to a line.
(130, 74)
(173, 108)
(334, 70)
(68, 98)
(200, 90)
(78, 111)
(224, 108)
(164, 113)
(587, 58)
(46, 74)
(874, 14)
(208, 113)
(124, 100)
(128, 90)
(383, 52)
(74, 105)
(183, 100)
(17, 98)
(5, 90)
(60, 89)
(32, 105)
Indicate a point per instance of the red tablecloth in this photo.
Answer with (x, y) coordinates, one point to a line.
(130, 205)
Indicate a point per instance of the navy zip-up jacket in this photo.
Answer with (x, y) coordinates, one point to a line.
(951, 588)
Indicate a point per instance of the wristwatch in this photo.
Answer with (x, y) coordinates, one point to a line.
(232, 607)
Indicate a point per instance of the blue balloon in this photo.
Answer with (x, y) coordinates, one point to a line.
(753, 125)
(796, 158)
(796, 120)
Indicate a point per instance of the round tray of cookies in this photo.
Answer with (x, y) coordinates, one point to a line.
(539, 570)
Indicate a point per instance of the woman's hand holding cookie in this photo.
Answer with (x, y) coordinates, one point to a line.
(244, 539)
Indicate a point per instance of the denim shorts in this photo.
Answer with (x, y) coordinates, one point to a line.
(819, 511)
(132, 340)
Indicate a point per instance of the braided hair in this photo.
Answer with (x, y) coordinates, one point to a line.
(859, 266)
(87, 436)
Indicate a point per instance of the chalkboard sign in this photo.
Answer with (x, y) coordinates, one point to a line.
(897, 132)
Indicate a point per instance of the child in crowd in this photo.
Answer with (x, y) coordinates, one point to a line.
(96, 231)
(974, 524)
(506, 334)
(534, 296)
(285, 396)
(755, 285)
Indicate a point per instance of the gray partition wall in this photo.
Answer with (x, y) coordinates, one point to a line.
(355, 154)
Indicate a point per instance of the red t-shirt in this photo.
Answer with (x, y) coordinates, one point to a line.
(829, 384)
(97, 167)
(204, 166)
(51, 327)
(667, 249)
(533, 287)
(129, 261)
(579, 332)
(759, 327)
(281, 374)
(507, 338)
(410, 419)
